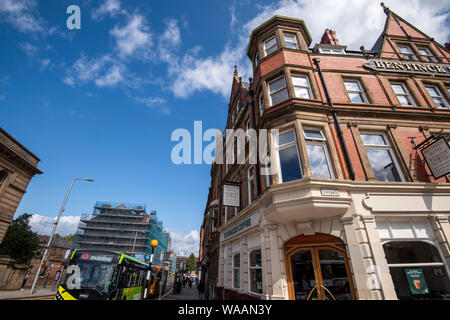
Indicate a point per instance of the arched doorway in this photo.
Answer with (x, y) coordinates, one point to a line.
(317, 268)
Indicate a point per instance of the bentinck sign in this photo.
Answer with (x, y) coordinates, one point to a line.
(408, 67)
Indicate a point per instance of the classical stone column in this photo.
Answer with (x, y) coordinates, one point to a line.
(380, 264)
(356, 259)
(243, 288)
(273, 258)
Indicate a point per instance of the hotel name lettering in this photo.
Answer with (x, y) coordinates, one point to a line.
(408, 67)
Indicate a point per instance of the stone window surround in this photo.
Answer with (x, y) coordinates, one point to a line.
(409, 84)
(364, 87)
(399, 151)
(297, 126)
(414, 47)
(278, 32)
(442, 85)
(287, 73)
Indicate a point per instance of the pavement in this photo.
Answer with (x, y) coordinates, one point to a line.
(185, 294)
(38, 294)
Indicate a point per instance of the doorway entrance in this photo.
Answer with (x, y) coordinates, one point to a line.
(318, 269)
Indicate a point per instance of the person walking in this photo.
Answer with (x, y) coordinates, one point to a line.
(190, 282)
(27, 276)
(200, 288)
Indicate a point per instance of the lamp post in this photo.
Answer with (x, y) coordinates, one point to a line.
(44, 256)
(153, 244)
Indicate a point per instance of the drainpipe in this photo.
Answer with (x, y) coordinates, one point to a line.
(258, 175)
(336, 121)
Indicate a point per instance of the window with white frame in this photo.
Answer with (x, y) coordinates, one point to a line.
(355, 91)
(426, 54)
(381, 157)
(278, 91)
(407, 52)
(236, 271)
(290, 41)
(402, 93)
(288, 157)
(319, 159)
(255, 271)
(302, 86)
(270, 46)
(251, 184)
(438, 98)
(331, 50)
(261, 104)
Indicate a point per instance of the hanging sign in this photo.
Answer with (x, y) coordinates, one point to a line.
(416, 280)
(437, 157)
(408, 67)
(231, 195)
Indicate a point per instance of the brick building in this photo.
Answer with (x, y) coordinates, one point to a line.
(350, 208)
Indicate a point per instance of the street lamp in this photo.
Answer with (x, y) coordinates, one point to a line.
(54, 229)
(153, 244)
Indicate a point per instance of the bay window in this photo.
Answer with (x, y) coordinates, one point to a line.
(288, 156)
(319, 160)
(278, 91)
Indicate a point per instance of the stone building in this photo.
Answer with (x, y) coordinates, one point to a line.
(347, 207)
(17, 166)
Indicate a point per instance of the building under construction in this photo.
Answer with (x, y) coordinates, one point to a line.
(126, 228)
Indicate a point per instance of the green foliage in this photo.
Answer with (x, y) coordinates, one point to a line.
(20, 243)
(69, 237)
(191, 263)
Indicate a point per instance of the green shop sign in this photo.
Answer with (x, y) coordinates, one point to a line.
(251, 221)
(416, 280)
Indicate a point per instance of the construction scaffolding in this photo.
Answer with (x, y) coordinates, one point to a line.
(121, 227)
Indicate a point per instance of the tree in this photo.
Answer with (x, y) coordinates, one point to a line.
(69, 237)
(20, 243)
(191, 264)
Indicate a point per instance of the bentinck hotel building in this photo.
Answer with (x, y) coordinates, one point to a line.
(358, 206)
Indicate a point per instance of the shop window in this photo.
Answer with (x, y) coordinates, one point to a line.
(355, 91)
(437, 96)
(270, 46)
(255, 271)
(381, 157)
(278, 91)
(236, 271)
(251, 184)
(407, 52)
(319, 159)
(261, 104)
(426, 54)
(302, 87)
(417, 270)
(290, 41)
(288, 156)
(402, 93)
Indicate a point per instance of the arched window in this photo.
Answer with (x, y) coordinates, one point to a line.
(417, 270)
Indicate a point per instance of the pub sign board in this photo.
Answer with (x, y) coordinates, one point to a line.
(408, 67)
(231, 195)
(437, 157)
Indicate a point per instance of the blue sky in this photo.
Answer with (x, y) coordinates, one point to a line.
(102, 102)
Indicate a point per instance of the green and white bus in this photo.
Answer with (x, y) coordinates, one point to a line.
(102, 275)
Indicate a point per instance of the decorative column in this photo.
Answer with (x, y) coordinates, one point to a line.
(356, 259)
(272, 260)
(243, 268)
(441, 228)
(380, 264)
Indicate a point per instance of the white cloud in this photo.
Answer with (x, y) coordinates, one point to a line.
(104, 71)
(22, 14)
(43, 225)
(188, 243)
(154, 103)
(134, 38)
(109, 7)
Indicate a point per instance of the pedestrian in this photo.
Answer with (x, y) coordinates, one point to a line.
(27, 275)
(179, 285)
(200, 288)
(190, 282)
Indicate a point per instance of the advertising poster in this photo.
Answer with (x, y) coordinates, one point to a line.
(416, 280)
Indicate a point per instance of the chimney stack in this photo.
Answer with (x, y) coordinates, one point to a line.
(329, 37)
